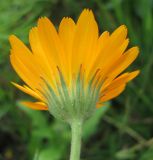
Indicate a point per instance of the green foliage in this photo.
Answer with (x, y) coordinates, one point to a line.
(124, 132)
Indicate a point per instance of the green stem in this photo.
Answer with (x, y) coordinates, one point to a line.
(76, 127)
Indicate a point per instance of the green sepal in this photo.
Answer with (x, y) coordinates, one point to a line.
(76, 102)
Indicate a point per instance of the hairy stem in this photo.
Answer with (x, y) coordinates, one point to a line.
(76, 127)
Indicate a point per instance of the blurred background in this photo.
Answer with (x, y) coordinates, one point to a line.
(122, 130)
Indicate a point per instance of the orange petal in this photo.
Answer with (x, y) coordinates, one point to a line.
(122, 79)
(99, 105)
(27, 90)
(50, 42)
(113, 70)
(112, 49)
(85, 40)
(118, 36)
(23, 62)
(133, 74)
(124, 61)
(23, 54)
(35, 105)
(48, 69)
(67, 30)
(24, 72)
(112, 94)
(52, 45)
(102, 41)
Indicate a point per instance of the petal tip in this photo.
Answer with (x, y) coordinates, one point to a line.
(87, 12)
(123, 27)
(34, 105)
(12, 38)
(42, 20)
(134, 74)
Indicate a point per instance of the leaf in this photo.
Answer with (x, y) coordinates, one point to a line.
(50, 154)
(125, 154)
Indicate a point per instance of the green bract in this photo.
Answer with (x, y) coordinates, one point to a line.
(78, 102)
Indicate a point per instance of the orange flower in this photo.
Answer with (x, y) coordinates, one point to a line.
(57, 58)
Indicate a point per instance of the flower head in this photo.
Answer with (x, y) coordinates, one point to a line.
(74, 69)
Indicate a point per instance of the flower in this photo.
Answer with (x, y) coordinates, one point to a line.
(72, 70)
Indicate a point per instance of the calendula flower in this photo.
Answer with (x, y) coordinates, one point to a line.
(72, 70)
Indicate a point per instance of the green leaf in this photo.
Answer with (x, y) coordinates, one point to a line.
(50, 154)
